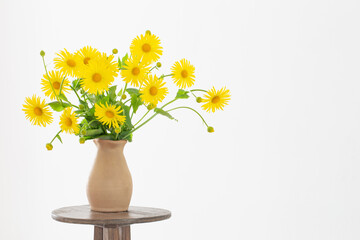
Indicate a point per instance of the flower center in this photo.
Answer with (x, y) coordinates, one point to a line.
(215, 99)
(184, 73)
(146, 47)
(153, 91)
(38, 111)
(56, 85)
(68, 122)
(86, 60)
(96, 77)
(135, 71)
(71, 63)
(109, 114)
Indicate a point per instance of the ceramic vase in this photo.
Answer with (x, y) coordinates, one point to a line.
(110, 186)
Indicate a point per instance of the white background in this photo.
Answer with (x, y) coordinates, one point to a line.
(283, 162)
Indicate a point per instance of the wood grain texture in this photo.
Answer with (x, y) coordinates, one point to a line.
(98, 233)
(84, 215)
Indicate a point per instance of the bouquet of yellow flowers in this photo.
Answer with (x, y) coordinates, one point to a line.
(103, 111)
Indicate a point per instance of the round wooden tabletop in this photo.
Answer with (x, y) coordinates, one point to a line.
(84, 215)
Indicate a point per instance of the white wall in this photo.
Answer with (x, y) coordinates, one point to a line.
(284, 160)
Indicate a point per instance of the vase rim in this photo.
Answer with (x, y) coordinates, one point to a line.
(113, 143)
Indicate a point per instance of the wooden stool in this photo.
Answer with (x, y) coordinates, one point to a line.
(110, 226)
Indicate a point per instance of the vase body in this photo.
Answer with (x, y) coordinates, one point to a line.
(110, 186)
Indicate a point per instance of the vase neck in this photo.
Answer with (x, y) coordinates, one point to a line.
(109, 144)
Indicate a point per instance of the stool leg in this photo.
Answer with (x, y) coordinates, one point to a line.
(98, 233)
(117, 233)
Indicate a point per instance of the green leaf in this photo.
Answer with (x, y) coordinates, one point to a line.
(92, 132)
(62, 97)
(106, 137)
(135, 102)
(124, 59)
(58, 137)
(57, 106)
(182, 94)
(76, 84)
(119, 63)
(92, 98)
(164, 113)
(112, 93)
(127, 116)
(133, 91)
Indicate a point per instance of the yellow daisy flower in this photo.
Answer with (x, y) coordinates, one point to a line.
(183, 73)
(109, 115)
(110, 63)
(216, 99)
(87, 54)
(69, 121)
(135, 72)
(147, 48)
(97, 77)
(68, 63)
(37, 111)
(56, 78)
(153, 90)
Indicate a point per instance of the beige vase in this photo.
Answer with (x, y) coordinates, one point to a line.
(110, 185)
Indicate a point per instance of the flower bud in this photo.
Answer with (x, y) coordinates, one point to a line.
(83, 132)
(210, 129)
(198, 99)
(158, 64)
(151, 106)
(82, 91)
(117, 130)
(115, 51)
(123, 97)
(148, 32)
(82, 140)
(81, 106)
(42, 53)
(49, 146)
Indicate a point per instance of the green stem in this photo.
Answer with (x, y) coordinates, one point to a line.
(192, 110)
(141, 118)
(152, 68)
(198, 90)
(149, 119)
(164, 76)
(76, 93)
(61, 85)
(122, 93)
(55, 136)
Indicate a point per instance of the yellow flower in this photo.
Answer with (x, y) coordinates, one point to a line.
(135, 72)
(68, 63)
(88, 54)
(37, 111)
(97, 77)
(147, 48)
(56, 78)
(68, 121)
(183, 73)
(216, 99)
(110, 63)
(153, 90)
(109, 114)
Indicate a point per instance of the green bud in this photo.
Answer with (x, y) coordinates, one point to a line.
(81, 106)
(210, 129)
(49, 146)
(82, 91)
(199, 99)
(115, 51)
(151, 106)
(148, 32)
(82, 140)
(83, 132)
(42, 53)
(117, 130)
(123, 97)
(158, 64)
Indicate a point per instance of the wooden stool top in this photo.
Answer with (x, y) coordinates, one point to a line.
(84, 215)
